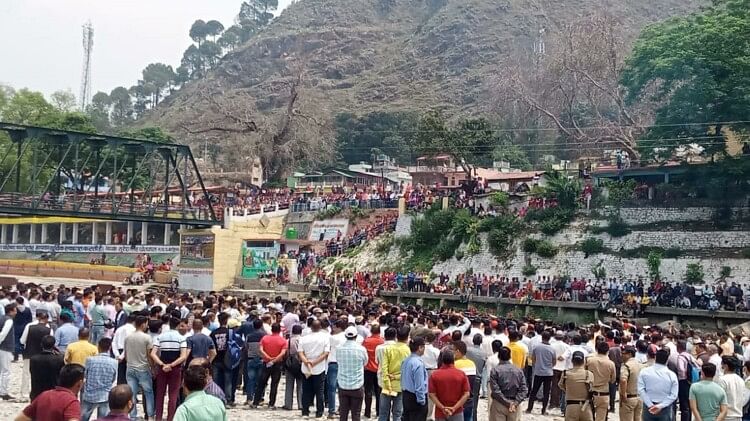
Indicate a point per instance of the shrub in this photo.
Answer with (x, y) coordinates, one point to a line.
(529, 245)
(619, 191)
(722, 218)
(552, 225)
(529, 270)
(726, 272)
(546, 249)
(499, 242)
(500, 198)
(617, 227)
(654, 264)
(592, 245)
(672, 253)
(599, 271)
(694, 273)
(746, 253)
(459, 254)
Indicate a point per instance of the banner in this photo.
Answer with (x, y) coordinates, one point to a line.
(88, 248)
(328, 229)
(197, 262)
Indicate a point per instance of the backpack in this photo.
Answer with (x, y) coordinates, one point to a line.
(234, 351)
(693, 372)
(292, 362)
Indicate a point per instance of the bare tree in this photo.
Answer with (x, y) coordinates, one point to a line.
(296, 133)
(574, 87)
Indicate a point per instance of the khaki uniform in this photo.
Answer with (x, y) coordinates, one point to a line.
(630, 405)
(604, 373)
(576, 383)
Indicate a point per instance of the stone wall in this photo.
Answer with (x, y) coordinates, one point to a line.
(679, 239)
(640, 216)
(403, 226)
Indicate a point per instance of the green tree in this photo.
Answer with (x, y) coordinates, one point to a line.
(694, 273)
(231, 38)
(696, 69)
(358, 136)
(211, 53)
(255, 14)
(199, 31)
(565, 189)
(6, 93)
(193, 62)
(154, 134)
(512, 154)
(214, 28)
(654, 265)
(27, 107)
(122, 106)
(99, 110)
(159, 77)
(63, 101)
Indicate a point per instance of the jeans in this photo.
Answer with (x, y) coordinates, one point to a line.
(312, 388)
(141, 380)
(87, 410)
(371, 388)
(274, 373)
(350, 401)
(663, 415)
(454, 417)
(540, 381)
(5, 358)
(391, 404)
(293, 385)
(164, 380)
(97, 332)
(253, 370)
(331, 383)
(413, 410)
(223, 377)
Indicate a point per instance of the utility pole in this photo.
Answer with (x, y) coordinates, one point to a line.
(88, 48)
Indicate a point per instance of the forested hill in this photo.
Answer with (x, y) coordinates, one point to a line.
(321, 58)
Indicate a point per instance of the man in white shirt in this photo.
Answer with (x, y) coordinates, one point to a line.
(562, 351)
(313, 353)
(577, 346)
(337, 339)
(118, 346)
(734, 386)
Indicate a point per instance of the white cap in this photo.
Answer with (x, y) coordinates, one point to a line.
(350, 332)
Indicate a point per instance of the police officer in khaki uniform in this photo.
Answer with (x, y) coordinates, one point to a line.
(603, 370)
(576, 383)
(630, 404)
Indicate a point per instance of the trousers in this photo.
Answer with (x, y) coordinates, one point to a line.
(544, 382)
(5, 358)
(350, 401)
(167, 383)
(578, 412)
(500, 412)
(274, 373)
(413, 410)
(683, 396)
(371, 389)
(293, 384)
(630, 409)
(312, 388)
(87, 410)
(601, 408)
(391, 406)
(556, 392)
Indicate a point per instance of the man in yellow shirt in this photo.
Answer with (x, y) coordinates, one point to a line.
(390, 371)
(518, 351)
(470, 369)
(77, 352)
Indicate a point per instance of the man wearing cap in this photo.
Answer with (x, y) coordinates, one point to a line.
(351, 358)
(576, 384)
(604, 374)
(630, 404)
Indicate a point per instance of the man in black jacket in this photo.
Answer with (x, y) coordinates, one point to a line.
(31, 339)
(45, 367)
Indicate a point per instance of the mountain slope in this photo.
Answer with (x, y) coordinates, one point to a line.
(366, 55)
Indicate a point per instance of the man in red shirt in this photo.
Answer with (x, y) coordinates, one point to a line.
(371, 369)
(273, 349)
(60, 403)
(448, 389)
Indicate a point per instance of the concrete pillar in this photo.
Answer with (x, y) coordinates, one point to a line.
(75, 233)
(167, 234)
(3, 234)
(144, 233)
(129, 236)
(63, 234)
(526, 310)
(559, 312)
(94, 233)
(108, 232)
(14, 239)
(32, 234)
(45, 235)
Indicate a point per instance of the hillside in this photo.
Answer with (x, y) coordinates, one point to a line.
(367, 55)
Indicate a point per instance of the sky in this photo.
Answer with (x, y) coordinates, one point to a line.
(41, 40)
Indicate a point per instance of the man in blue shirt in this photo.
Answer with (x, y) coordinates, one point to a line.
(414, 382)
(101, 374)
(657, 388)
(65, 334)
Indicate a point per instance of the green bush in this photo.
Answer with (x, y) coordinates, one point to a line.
(500, 198)
(592, 245)
(551, 220)
(694, 273)
(654, 264)
(546, 249)
(459, 254)
(529, 270)
(499, 242)
(529, 245)
(619, 192)
(599, 272)
(746, 253)
(552, 225)
(617, 227)
(726, 272)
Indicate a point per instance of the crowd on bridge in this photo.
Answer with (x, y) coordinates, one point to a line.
(180, 356)
(629, 296)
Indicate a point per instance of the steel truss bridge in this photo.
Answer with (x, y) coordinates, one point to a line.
(65, 173)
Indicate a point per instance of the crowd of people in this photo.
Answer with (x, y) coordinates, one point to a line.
(340, 244)
(630, 296)
(178, 356)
